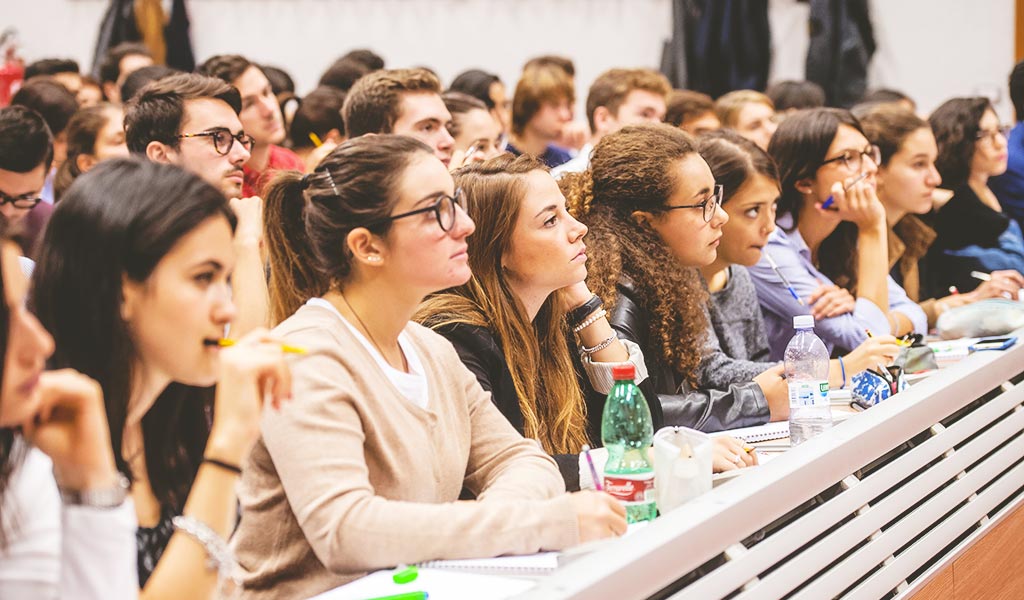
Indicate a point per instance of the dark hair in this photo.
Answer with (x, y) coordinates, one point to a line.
(798, 147)
(683, 105)
(1017, 90)
(50, 66)
(110, 68)
(367, 57)
(887, 125)
(118, 221)
(25, 140)
(612, 87)
(307, 219)
(226, 67)
(280, 81)
(885, 95)
(140, 78)
(343, 74)
(50, 99)
(319, 112)
(632, 170)
(156, 112)
(373, 104)
(796, 94)
(956, 123)
(476, 83)
(83, 130)
(458, 105)
(551, 60)
(734, 159)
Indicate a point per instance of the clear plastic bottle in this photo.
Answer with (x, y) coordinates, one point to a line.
(627, 432)
(807, 366)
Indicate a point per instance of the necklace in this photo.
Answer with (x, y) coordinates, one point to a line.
(405, 366)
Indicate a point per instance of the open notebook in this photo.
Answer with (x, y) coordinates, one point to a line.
(759, 433)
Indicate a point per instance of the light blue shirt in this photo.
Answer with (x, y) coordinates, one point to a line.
(844, 332)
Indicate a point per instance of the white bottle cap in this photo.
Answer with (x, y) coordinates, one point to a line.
(803, 322)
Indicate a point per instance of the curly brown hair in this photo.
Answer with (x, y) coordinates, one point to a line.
(537, 352)
(632, 170)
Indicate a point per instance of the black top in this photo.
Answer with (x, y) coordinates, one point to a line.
(742, 405)
(150, 543)
(482, 354)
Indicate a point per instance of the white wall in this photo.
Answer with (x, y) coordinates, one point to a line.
(931, 49)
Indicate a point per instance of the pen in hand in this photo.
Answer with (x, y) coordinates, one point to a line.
(827, 205)
(224, 343)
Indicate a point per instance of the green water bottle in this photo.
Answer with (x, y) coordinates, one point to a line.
(627, 432)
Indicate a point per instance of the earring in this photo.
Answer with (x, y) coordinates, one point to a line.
(373, 258)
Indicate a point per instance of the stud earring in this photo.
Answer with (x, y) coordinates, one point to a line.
(373, 258)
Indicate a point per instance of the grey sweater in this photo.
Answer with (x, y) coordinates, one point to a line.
(737, 347)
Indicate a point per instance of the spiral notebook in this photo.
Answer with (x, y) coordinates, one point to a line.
(760, 433)
(528, 565)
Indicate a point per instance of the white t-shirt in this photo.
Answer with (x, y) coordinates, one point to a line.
(412, 385)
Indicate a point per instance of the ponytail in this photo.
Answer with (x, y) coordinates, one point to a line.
(294, 276)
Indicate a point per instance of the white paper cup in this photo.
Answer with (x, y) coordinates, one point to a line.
(678, 479)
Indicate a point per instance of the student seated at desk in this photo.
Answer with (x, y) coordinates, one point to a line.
(907, 178)
(844, 283)
(739, 348)
(512, 323)
(651, 204)
(134, 283)
(365, 469)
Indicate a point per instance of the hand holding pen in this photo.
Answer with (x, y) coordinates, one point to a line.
(998, 284)
(856, 202)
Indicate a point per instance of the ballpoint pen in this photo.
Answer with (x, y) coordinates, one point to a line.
(785, 282)
(831, 199)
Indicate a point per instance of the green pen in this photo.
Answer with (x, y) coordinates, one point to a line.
(404, 596)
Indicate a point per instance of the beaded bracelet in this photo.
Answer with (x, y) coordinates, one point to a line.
(220, 556)
(590, 321)
(607, 342)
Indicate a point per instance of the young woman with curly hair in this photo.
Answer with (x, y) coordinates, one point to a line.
(651, 204)
(973, 232)
(831, 243)
(750, 181)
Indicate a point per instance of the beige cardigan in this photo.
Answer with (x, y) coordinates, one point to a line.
(350, 476)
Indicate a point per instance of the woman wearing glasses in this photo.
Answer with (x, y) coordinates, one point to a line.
(365, 469)
(652, 208)
(972, 232)
(830, 249)
(751, 182)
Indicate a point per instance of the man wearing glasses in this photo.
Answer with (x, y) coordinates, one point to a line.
(191, 121)
(261, 117)
(26, 153)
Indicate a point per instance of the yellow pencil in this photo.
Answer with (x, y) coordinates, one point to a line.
(224, 342)
(315, 139)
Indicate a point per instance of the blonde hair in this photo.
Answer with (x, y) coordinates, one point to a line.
(539, 84)
(537, 353)
(728, 107)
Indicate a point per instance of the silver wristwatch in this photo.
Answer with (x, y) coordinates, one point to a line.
(108, 497)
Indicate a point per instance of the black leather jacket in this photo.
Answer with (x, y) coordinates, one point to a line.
(742, 405)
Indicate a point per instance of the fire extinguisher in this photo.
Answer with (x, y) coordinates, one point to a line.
(12, 71)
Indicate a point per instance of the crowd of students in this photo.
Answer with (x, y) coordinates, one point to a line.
(271, 343)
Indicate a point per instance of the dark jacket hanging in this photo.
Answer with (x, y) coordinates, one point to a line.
(119, 25)
(726, 45)
(841, 45)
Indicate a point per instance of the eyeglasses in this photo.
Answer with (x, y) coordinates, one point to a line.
(224, 139)
(990, 134)
(709, 205)
(444, 210)
(853, 160)
(25, 201)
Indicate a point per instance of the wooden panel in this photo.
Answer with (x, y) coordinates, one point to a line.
(940, 588)
(993, 569)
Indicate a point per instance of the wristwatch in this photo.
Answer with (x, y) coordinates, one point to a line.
(107, 497)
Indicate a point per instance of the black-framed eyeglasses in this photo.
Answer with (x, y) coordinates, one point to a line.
(224, 139)
(24, 201)
(445, 211)
(853, 160)
(709, 205)
(990, 134)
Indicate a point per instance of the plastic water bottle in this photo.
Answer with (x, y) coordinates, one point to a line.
(807, 366)
(627, 433)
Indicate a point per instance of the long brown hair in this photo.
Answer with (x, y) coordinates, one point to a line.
(631, 170)
(537, 353)
(307, 219)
